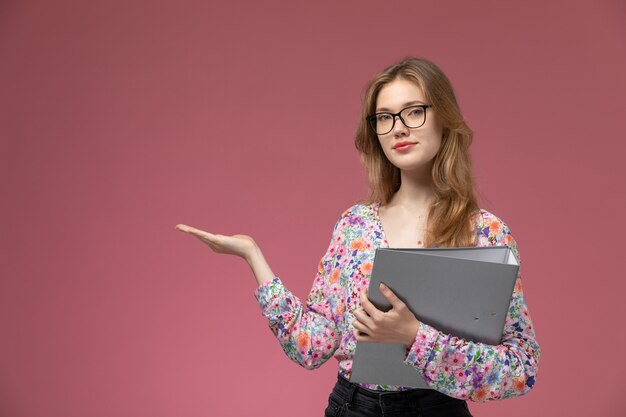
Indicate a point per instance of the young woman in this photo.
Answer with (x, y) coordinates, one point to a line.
(414, 144)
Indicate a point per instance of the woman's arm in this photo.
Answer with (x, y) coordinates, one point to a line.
(308, 333)
(481, 372)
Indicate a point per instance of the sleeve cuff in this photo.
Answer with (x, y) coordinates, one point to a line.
(267, 291)
(420, 352)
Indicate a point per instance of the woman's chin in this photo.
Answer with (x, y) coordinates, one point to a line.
(412, 168)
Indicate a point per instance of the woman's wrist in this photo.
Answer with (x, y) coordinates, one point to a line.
(412, 332)
(260, 268)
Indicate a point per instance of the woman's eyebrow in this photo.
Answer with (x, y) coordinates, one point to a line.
(407, 104)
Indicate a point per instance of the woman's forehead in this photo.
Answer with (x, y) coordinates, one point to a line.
(397, 94)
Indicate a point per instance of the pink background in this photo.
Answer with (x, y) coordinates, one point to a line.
(120, 119)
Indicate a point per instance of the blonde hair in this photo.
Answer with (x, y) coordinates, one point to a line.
(450, 215)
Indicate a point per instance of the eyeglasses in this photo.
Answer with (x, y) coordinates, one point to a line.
(412, 117)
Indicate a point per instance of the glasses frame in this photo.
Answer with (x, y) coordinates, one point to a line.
(372, 118)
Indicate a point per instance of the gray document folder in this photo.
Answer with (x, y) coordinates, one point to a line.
(464, 292)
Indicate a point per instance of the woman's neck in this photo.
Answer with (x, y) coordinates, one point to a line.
(416, 191)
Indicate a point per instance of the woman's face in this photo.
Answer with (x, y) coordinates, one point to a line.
(408, 149)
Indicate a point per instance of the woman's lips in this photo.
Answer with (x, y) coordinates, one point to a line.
(403, 147)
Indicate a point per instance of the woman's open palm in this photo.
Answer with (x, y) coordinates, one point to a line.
(240, 245)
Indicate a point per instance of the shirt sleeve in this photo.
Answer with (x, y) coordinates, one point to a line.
(477, 371)
(308, 333)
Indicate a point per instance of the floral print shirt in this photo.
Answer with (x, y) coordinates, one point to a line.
(312, 332)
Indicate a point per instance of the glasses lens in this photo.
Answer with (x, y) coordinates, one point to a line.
(382, 123)
(414, 116)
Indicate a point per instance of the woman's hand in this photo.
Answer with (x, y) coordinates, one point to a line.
(240, 245)
(398, 325)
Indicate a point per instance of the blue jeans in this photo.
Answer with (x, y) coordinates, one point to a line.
(350, 400)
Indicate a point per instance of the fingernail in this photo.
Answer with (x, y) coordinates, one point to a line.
(383, 286)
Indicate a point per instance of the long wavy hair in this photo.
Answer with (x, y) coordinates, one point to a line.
(454, 207)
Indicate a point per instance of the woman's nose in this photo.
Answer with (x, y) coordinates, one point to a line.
(398, 126)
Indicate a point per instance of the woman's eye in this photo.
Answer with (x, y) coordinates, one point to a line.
(383, 117)
(418, 111)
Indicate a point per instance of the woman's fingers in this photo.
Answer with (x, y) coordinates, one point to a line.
(396, 303)
(240, 245)
(367, 305)
(391, 296)
(201, 234)
(361, 330)
(398, 325)
(360, 336)
(196, 232)
(183, 227)
(189, 229)
(360, 327)
(363, 320)
(209, 238)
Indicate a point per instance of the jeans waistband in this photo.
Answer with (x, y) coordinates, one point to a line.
(351, 391)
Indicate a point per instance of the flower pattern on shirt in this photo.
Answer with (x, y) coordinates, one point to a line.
(322, 327)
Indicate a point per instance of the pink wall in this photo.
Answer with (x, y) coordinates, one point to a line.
(120, 119)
